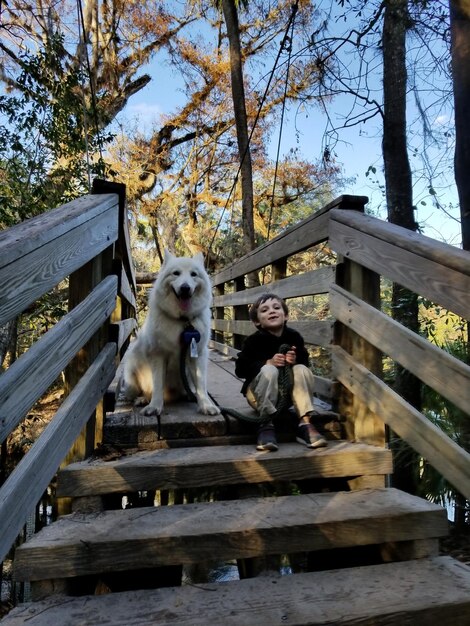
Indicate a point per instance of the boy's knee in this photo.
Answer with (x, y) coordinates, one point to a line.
(302, 371)
(269, 372)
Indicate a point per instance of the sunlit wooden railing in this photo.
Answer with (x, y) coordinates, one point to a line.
(358, 334)
(85, 242)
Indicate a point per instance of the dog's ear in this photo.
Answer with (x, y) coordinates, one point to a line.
(199, 257)
(167, 255)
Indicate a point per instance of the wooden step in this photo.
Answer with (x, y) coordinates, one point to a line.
(220, 465)
(128, 427)
(80, 544)
(425, 592)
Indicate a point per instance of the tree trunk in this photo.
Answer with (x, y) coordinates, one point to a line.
(460, 51)
(460, 37)
(238, 95)
(399, 195)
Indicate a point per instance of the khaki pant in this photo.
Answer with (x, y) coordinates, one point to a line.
(262, 392)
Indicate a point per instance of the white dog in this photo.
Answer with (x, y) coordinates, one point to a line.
(178, 320)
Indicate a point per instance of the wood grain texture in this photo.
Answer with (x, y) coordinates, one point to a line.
(425, 592)
(309, 283)
(42, 267)
(441, 283)
(24, 382)
(452, 461)
(426, 247)
(220, 465)
(435, 367)
(24, 238)
(304, 234)
(122, 540)
(27, 482)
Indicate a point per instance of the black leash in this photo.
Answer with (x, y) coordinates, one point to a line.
(190, 337)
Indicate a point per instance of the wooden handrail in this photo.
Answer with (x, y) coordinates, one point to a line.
(367, 249)
(86, 241)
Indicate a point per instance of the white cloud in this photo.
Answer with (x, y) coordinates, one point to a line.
(143, 111)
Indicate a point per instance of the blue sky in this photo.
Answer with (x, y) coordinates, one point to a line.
(357, 148)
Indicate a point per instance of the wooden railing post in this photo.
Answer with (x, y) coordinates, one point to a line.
(361, 423)
(279, 269)
(240, 312)
(81, 283)
(219, 313)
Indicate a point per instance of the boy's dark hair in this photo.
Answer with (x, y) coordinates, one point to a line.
(266, 296)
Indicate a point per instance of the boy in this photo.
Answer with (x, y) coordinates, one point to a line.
(258, 364)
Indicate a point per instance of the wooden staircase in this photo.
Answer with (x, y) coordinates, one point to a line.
(375, 549)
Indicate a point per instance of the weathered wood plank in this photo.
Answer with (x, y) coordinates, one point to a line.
(24, 382)
(310, 283)
(179, 420)
(158, 536)
(24, 238)
(438, 251)
(361, 422)
(128, 427)
(425, 592)
(27, 482)
(304, 234)
(435, 367)
(125, 291)
(314, 332)
(438, 282)
(45, 264)
(220, 465)
(452, 461)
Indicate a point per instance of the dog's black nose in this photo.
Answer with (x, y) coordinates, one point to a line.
(184, 291)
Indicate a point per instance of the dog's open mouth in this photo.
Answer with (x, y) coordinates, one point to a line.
(184, 298)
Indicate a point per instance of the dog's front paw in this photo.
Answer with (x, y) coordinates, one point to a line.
(150, 409)
(207, 408)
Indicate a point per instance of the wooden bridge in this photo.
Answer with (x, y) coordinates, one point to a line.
(319, 536)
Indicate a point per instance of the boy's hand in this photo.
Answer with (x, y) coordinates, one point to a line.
(279, 359)
(291, 356)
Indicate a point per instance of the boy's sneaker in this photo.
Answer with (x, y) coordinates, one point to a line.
(309, 436)
(266, 438)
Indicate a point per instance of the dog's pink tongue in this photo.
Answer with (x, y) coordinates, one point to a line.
(184, 303)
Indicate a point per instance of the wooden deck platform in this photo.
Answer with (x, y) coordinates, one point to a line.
(181, 426)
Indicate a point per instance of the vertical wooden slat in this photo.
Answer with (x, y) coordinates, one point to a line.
(219, 313)
(240, 312)
(81, 283)
(279, 269)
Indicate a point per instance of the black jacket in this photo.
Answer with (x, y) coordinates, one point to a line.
(260, 347)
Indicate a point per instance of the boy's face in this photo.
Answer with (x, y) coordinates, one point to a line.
(271, 316)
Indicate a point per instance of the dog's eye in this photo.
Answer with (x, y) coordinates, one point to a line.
(193, 274)
(176, 273)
